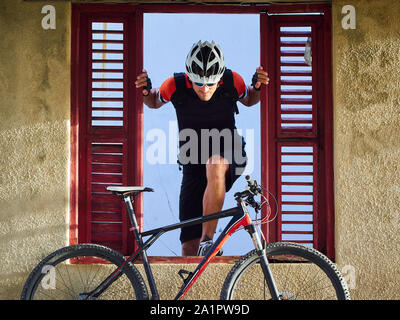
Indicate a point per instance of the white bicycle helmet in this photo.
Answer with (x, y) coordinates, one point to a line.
(205, 63)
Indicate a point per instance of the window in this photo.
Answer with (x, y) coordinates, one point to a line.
(296, 120)
(160, 125)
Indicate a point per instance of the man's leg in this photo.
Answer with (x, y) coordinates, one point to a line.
(194, 183)
(189, 248)
(214, 195)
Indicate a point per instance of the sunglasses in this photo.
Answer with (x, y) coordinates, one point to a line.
(200, 84)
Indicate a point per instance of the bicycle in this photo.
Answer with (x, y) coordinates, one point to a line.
(308, 273)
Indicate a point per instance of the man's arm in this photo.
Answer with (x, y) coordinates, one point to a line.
(252, 97)
(253, 93)
(150, 96)
(152, 100)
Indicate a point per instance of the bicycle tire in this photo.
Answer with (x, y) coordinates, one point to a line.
(57, 277)
(245, 279)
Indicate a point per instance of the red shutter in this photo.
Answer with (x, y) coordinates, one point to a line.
(297, 106)
(108, 125)
(297, 192)
(296, 152)
(107, 154)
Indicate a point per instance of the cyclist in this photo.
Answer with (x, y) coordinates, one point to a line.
(205, 99)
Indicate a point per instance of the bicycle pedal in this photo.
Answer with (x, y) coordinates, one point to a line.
(181, 274)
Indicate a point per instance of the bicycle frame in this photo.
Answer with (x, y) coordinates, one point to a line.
(240, 218)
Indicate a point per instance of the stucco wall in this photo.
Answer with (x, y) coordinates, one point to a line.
(34, 147)
(367, 146)
(34, 138)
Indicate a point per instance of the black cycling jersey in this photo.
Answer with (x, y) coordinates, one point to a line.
(211, 122)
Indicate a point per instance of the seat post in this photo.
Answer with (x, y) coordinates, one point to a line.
(131, 213)
(135, 229)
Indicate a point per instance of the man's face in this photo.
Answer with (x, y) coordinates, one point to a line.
(205, 92)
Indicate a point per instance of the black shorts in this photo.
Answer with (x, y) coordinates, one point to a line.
(194, 183)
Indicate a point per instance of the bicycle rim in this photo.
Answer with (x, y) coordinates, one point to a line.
(300, 273)
(72, 272)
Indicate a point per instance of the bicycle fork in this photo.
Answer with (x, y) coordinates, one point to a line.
(260, 247)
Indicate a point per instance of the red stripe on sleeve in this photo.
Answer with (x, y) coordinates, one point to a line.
(167, 89)
(239, 84)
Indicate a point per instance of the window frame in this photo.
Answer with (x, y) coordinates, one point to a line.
(268, 156)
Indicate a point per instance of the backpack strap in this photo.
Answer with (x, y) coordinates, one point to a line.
(228, 89)
(179, 96)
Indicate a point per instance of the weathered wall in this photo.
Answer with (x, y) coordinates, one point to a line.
(367, 146)
(34, 147)
(34, 138)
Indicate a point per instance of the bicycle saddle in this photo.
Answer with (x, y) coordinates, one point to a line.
(129, 190)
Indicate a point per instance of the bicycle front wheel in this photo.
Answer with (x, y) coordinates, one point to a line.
(300, 273)
(72, 272)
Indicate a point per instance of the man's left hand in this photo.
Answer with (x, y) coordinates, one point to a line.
(262, 78)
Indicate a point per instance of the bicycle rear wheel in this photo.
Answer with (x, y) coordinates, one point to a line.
(72, 272)
(300, 273)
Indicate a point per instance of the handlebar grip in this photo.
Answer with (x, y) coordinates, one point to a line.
(254, 187)
(250, 181)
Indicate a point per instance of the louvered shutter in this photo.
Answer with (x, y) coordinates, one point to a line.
(297, 189)
(298, 146)
(107, 127)
(297, 110)
(296, 160)
(107, 143)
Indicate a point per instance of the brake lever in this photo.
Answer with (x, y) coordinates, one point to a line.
(253, 203)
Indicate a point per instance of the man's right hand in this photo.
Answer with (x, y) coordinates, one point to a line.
(150, 98)
(142, 81)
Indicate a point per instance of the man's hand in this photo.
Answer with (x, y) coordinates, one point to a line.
(142, 80)
(253, 96)
(259, 78)
(150, 98)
